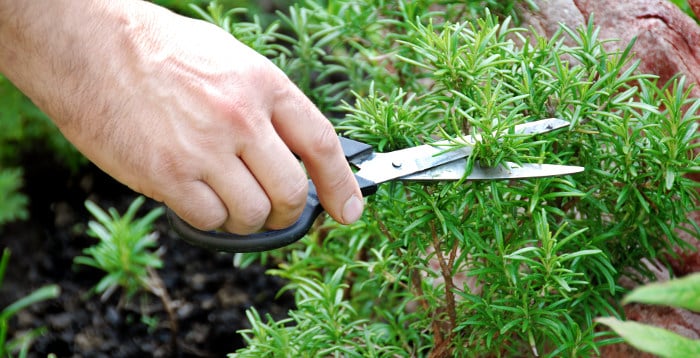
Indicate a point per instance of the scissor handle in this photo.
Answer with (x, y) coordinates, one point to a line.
(273, 239)
(262, 241)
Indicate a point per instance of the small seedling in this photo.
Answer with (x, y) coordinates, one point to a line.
(125, 253)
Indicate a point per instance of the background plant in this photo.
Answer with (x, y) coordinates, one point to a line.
(23, 129)
(477, 268)
(125, 253)
(13, 204)
(20, 345)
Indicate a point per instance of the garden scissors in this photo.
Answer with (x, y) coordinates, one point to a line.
(429, 162)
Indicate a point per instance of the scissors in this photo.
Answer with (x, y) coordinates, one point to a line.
(429, 162)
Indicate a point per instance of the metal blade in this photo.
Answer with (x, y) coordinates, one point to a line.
(382, 167)
(455, 171)
(530, 128)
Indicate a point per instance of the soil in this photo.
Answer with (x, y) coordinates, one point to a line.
(209, 294)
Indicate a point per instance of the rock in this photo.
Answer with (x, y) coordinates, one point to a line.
(666, 38)
(695, 5)
(546, 19)
(61, 321)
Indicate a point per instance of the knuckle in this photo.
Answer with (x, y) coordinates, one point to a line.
(159, 174)
(294, 200)
(250, 103)
(196, 205)
(287, 209)
(325, 141)
(205, 221)
(249, 220)
(341, 184)
(169, 165)
(239, 115)
(281, 86)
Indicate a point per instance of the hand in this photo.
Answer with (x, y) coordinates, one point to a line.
(178, 110)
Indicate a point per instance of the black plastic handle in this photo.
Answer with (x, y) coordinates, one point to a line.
(262, 241)
(354, 149)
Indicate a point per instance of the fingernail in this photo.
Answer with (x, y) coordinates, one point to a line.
(352, 210)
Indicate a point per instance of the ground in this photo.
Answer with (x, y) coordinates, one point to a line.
(210, 295)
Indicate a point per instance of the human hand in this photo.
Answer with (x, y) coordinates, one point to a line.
(178, 110)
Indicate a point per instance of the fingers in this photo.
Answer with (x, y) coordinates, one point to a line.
(279, 174)
(257, 179)
(229, 197)
(244, 199)
(310, 135)
(265, 186)
(196, 203)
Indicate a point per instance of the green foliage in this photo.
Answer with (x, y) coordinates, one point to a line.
(20, 345)
(13, 205)
(254, 34)
(189, 7)
(478, 268)
(325, 325)
(180, 6)
(683, 293)
(23, 127)
(124, 248)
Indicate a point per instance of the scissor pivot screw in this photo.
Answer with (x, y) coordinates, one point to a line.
(396, 164)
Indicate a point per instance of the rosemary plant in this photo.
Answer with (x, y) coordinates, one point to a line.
(476, 268)
(125, 253)
(123, 248)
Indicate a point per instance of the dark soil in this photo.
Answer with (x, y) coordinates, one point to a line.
(210, 295)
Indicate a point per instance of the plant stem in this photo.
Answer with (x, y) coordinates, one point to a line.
(446, 271)
(157, 287)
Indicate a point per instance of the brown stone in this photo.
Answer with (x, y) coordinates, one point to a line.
(695, 5)
(667, 40)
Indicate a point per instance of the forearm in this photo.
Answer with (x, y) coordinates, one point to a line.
(81, 62)
(47, 49)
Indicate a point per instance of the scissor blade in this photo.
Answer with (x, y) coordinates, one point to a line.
(455, 171)
(529, 128)
(382, 167)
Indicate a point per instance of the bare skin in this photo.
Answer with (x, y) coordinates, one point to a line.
(177, 109)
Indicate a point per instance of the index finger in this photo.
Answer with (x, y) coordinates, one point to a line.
(311, 136)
